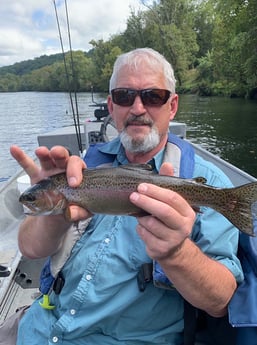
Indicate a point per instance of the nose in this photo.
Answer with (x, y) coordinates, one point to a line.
(138, 107)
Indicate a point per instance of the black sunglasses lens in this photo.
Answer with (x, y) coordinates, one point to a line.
(151, 97)
(123, 97)
(155, 96)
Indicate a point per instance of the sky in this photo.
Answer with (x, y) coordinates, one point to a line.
(28, 28)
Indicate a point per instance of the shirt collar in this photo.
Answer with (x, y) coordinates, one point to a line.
(157, 160)
(115, 148)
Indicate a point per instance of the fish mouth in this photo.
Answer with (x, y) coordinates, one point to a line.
(36, 212)
(45, 203)
(32, 210)
(28, 211)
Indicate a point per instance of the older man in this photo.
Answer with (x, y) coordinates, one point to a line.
(194, 255)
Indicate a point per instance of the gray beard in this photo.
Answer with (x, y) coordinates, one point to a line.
(148, 143)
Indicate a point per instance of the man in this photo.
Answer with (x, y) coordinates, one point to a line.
(100, 301)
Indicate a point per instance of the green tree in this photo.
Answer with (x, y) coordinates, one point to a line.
(103, 57)
(79, 69)
(234, 45)
(135, 35)
(204, 14)
(9, 83)
(169, 28)
(210, 43)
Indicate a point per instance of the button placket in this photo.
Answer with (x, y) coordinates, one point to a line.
(89, 276)
(107, 240)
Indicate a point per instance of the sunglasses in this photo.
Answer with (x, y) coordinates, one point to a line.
(152, 97)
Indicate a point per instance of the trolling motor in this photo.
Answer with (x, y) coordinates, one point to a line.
(102, 110)
(99, 134)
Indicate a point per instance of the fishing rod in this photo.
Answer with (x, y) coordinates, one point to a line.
(75, 114)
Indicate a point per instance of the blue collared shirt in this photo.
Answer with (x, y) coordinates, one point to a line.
(100, 302)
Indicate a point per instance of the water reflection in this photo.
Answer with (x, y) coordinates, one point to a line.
(226, 127)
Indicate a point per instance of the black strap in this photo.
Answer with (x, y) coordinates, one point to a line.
(58, 283)
(201, 328)
(144, 276)
(190, 323)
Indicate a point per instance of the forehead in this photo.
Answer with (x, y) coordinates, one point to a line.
(140, 76)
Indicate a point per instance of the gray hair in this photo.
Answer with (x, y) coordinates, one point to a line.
(144, 56)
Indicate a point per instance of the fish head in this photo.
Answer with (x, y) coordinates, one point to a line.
(43, 199)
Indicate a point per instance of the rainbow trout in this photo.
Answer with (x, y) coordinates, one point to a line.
(106, 190)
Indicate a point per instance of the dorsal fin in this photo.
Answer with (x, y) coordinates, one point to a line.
(200, 179)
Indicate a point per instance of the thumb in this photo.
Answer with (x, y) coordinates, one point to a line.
(167, 169)
(75, 213)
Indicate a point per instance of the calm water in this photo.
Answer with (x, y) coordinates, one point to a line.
(227, 127)
(25, 115)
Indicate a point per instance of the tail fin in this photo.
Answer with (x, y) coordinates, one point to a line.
(241, 207)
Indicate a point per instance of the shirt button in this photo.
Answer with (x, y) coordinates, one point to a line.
(55, 339)
(73, 311)
(107, 240)
(88, 277)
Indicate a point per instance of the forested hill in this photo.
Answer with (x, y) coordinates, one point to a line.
(211, 45)
(28, 66)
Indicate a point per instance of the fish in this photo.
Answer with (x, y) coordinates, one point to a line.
(106, 190)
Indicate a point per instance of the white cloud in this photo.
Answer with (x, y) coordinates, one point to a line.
(28, 28)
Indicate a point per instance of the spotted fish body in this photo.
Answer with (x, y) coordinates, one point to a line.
(107, 190)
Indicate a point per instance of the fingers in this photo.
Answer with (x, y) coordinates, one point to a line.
(55, 158)
(166, 169)
(158, 201)
(75, 166)
(170, 219)
(152, 232)
(58, 159)
(52, 161)
(165, 205)
(75, 213)
(24, 161)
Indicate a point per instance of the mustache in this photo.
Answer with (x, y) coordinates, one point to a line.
(138, 120)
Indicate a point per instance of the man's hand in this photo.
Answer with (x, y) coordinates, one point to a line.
(170, 221)
(51, 162)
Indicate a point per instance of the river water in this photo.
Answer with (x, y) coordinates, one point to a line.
(25, 115)
(226, 127)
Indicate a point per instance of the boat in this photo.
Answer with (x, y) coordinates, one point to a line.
(19, 276)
